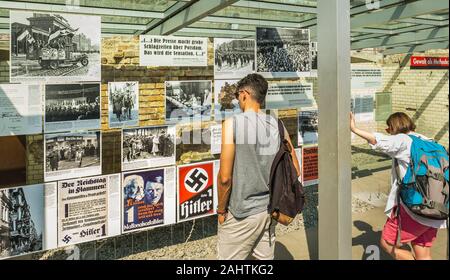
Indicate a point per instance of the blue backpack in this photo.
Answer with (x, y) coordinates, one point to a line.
(425, 188)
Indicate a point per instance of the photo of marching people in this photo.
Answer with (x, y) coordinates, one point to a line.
(282, 50)
(188, 100)
(225, 102)
(148, 147)
(233, 58)
(54, 47)
(72, 155)
(123, 104)
(70, 107)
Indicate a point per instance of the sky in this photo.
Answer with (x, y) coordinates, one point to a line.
(35, 198)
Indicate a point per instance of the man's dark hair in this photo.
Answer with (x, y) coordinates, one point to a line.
(257, 86)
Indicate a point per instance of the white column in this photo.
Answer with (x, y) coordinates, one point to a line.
(334, 74)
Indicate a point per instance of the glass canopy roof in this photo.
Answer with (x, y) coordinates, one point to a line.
(240, 18)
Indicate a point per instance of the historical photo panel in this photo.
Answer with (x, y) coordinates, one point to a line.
(308, 125)
(148, 198)
(188, 100)
(22, 223)
(72, 155)
(233, 58)
(21, 109)
(226, 103)
(72, 107)
(148, 147)
(283, 51)
(123, 104)
(54, 47)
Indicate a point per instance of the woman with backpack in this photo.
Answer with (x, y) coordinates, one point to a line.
(402, 226)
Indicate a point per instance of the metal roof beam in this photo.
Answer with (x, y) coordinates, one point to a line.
(189, 15)
(405, 11)
(403, 38)
(214, 31)
(167, 14)
(276, 6)
(392, 32)
(56, 8)
(417, 48)
(255, 22)
(425, 21)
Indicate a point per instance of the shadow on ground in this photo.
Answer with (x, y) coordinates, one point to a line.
(370, 240)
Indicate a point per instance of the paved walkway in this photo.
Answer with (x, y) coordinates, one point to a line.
(366, 230)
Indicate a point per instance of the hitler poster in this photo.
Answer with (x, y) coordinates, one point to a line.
(148, 198)
(196, 191)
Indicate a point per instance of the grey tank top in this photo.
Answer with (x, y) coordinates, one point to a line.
(257, 141)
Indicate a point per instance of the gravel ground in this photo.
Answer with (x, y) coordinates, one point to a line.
(170, 242)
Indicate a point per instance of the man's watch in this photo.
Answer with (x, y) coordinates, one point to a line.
(221, 212)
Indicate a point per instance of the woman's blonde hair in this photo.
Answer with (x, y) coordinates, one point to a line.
(400, 123)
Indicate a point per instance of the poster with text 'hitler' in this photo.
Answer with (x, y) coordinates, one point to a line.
(196, 191)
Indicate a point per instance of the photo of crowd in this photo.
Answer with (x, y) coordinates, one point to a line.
(155, 144)
(72, 151)
(188, 99)
(72, 102)
(233, 57)
(283, 50)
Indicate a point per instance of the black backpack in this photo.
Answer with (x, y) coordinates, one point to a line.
(287, 196)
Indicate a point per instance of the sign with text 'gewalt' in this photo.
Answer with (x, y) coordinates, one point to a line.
(173, 51)
(196, 191)
(425, 62)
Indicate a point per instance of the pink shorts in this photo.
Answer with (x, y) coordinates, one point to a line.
(412, 231)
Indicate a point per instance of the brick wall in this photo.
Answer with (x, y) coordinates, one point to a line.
(35, 159)
(422, 94)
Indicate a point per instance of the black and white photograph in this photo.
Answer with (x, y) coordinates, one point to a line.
(123, 104)
(148, 147)
(72, 155)
(225, 102)
(283, 50)
(72, 107)
(188, 100)
(308, 126)
(314, 61)
(233, 58)
(54, 47)
(22, 220)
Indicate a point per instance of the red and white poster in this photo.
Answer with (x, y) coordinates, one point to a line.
(196, 191)
(426, 62)
(310, 166)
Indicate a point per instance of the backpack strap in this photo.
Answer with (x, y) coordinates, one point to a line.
(281, 131)
(397, 210)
